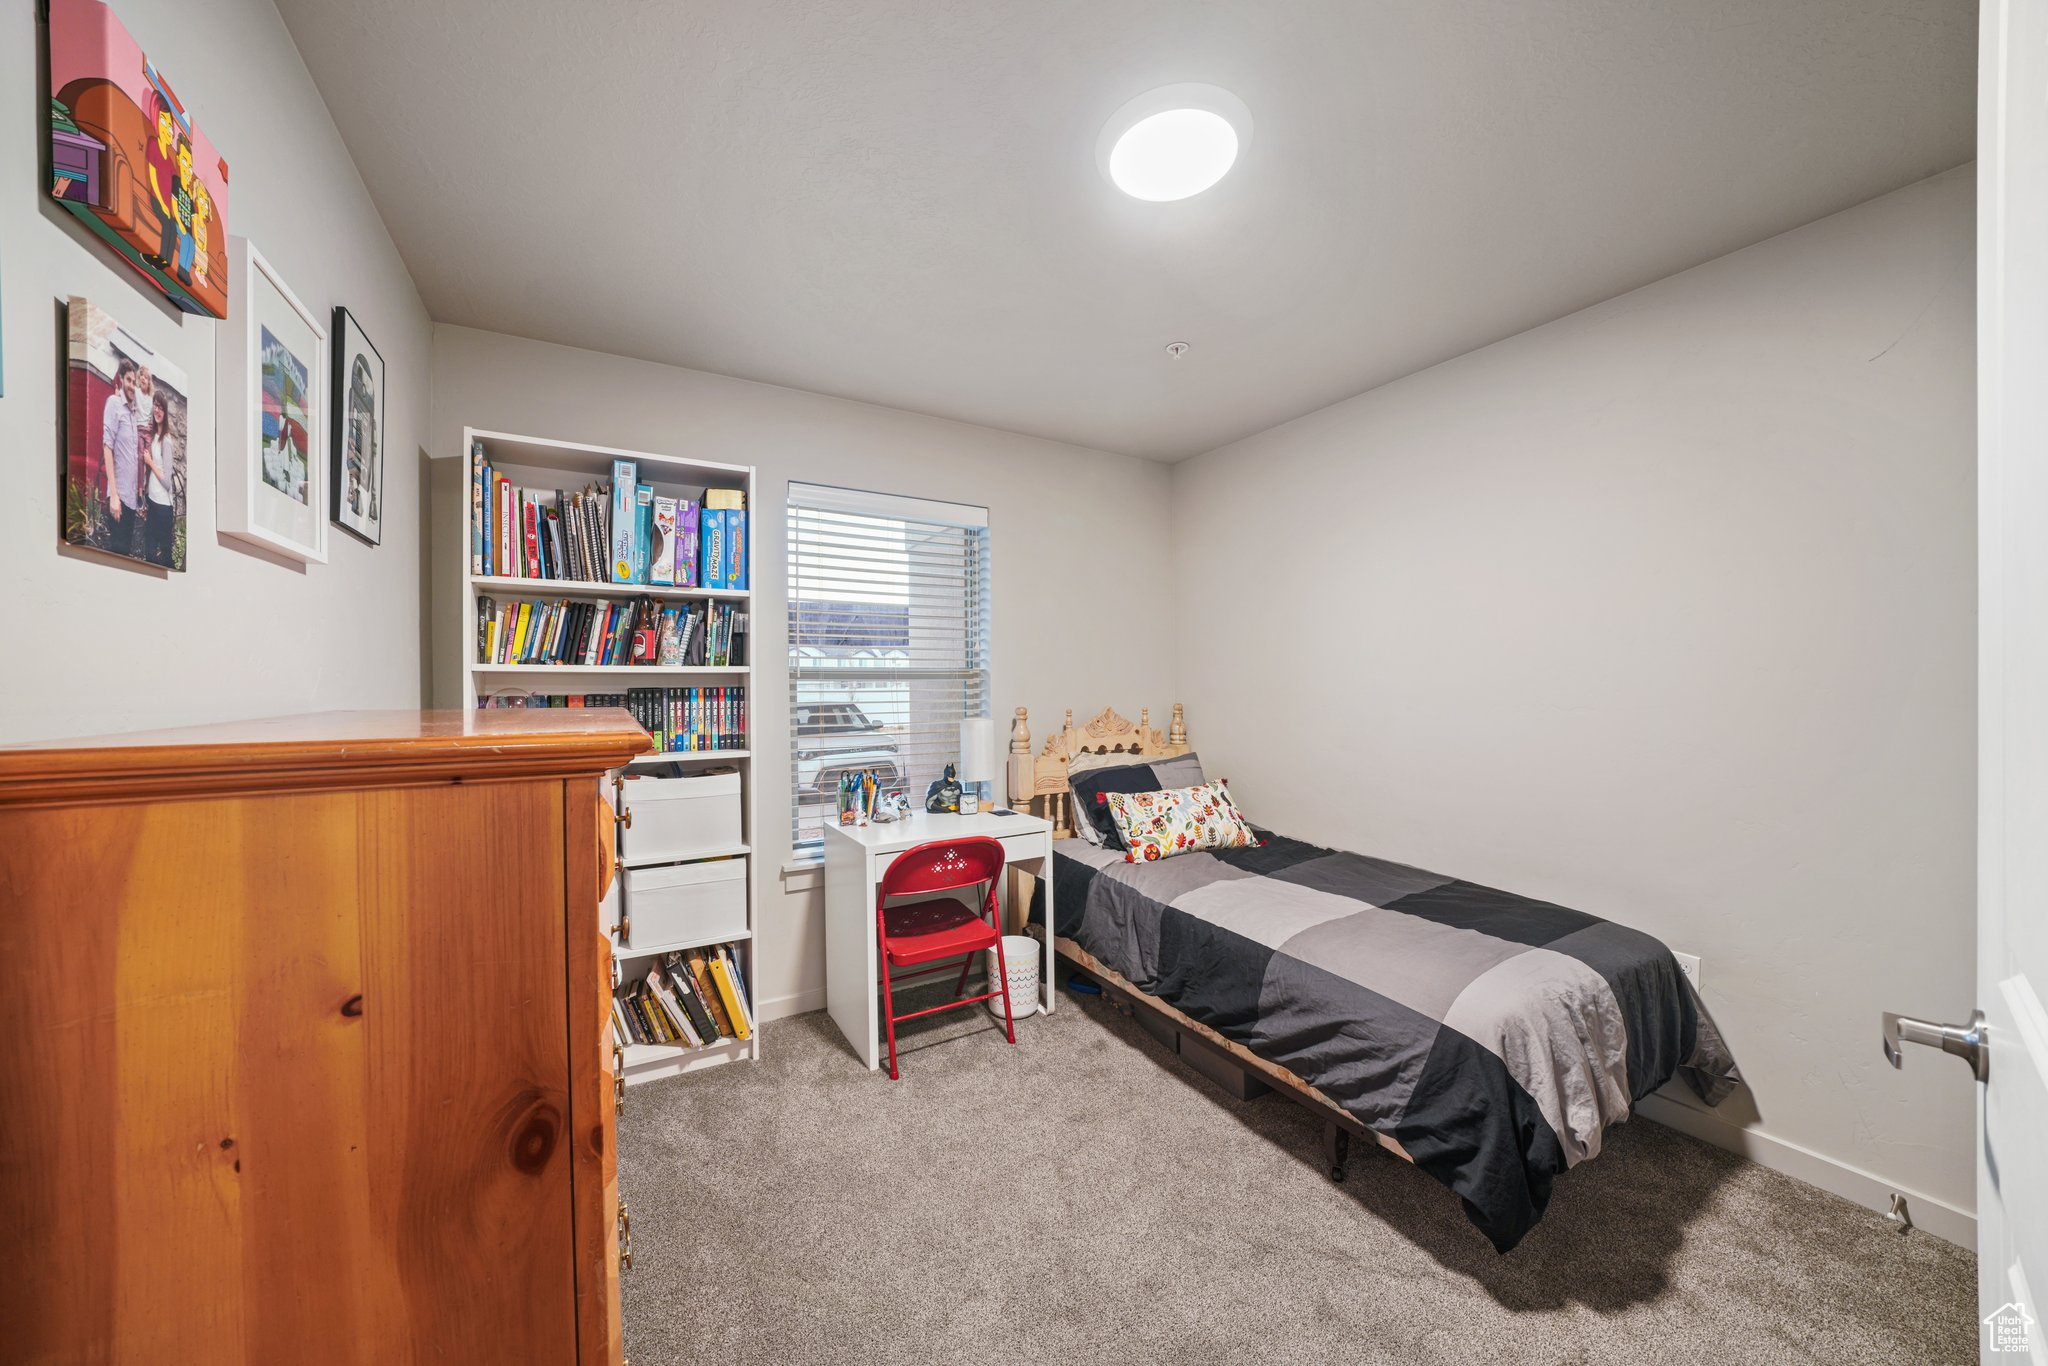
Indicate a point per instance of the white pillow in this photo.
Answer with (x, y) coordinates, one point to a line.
(1182, 770)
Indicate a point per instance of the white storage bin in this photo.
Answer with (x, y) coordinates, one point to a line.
(684, 903)
(680, 817)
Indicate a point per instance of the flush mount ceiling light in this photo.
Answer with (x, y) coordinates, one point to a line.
(1174, 142)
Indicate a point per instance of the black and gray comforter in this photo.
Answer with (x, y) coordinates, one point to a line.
(1493, 1036)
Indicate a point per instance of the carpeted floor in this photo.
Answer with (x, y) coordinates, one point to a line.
(1084, 1196)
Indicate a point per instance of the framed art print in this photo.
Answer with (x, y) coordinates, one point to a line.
(358, 396)
(271, 484)
(127, 159)
(125, 416)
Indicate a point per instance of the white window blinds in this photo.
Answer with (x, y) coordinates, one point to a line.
(888, 643)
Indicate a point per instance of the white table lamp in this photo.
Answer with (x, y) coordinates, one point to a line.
(978, 764)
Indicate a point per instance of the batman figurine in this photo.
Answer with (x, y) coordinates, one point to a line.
(943, 796)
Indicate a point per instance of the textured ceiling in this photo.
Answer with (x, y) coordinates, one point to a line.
(898, 201)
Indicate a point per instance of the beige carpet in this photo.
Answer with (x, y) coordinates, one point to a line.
(1085, 1197)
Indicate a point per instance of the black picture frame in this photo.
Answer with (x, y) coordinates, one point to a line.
(356, 482)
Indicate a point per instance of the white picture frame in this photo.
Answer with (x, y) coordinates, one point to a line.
(271, 487)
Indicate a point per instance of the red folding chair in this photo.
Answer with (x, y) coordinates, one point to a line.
(927, 930)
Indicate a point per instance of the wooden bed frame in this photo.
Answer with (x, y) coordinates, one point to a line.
(1042, 779)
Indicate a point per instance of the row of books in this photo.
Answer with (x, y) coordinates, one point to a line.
(681, 720)
(530, 534)
(626, 631)
(692, 998)
(621, 532)
(691, 720)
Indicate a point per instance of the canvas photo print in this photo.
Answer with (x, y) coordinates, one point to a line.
(125, 443)
(128, 160)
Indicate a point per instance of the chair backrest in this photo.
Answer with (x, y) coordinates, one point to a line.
(941, 865)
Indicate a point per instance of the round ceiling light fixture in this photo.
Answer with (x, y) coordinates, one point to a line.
(1174, 142)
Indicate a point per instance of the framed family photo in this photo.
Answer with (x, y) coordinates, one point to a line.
(271, 485)
(358, 485)
(124, 442)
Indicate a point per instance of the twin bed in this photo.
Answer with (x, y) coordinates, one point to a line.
(1486, 1037)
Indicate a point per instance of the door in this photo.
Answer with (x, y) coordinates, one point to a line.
(2012, 435)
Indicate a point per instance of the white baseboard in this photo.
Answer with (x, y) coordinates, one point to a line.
(776, 1007)
(1873, 1192)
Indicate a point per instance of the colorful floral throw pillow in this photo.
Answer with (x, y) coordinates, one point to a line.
(1157, 825)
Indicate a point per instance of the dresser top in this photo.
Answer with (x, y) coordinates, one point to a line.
(322, 750)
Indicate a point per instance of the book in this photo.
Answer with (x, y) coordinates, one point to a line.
(508, 537)
(663, 992)
(551, 526)
(711, 566)
(636, 1000)
(643, 530)
(735, 549)
(730, 990)
(685, 983)
(729, 997)
(624, 519)
(623, 1017)
(732, 959)
(686, 543)
(725, 499)
(661, 564)
(620, 1031)
(477, 469)
(707, 990)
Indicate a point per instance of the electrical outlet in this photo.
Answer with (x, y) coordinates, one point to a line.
(1689, 964)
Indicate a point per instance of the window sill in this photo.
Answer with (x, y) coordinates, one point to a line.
(802, 875)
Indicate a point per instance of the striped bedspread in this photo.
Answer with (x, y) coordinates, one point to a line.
(1494, 1036)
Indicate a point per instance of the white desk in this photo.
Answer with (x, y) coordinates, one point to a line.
(854, 860)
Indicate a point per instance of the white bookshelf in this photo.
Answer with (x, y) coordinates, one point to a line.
(541, 463)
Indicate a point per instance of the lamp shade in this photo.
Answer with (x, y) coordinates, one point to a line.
(978, 750)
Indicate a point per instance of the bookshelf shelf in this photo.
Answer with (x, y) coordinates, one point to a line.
(653, 1061)
(702, 856)
(680, 945)
(500, 585)
(543, 467)
(615, 671)
(687, 756)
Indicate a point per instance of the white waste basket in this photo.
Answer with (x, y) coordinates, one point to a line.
(1020, 951)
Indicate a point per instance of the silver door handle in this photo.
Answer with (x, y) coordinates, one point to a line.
(1966, 1041)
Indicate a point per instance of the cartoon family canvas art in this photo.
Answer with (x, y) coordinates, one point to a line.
(128, 160)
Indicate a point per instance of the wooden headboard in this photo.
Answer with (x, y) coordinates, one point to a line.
(1039, 782)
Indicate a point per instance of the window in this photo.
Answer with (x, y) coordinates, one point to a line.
(888, 643)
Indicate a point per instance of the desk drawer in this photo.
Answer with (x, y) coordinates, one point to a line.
(1014, 848)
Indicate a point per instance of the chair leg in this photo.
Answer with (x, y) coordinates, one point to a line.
(1003, 969)
(960, 987)
(889, 1015)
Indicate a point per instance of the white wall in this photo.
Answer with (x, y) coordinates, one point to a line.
(1054, 510)
(97, 644)
(1666, 611)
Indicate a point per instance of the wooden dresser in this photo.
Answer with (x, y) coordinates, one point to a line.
(305, 1049)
